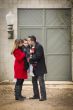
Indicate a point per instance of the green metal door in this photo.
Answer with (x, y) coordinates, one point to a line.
(52, 29)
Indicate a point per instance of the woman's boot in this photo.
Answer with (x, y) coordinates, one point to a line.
(17, 93)
(21, 92)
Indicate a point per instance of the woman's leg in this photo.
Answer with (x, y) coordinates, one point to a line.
(22, 80)
(18, 90)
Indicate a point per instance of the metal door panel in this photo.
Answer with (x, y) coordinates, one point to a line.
(25, 32)
(58, 17)
(58, 41)
(30, 17)
(59, 68)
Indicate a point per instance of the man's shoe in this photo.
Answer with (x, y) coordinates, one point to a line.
(19, 99)
(33, 97)
(42, 99)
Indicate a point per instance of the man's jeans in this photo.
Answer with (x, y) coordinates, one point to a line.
(42, 86)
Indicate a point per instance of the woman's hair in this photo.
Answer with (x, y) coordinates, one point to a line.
(21, 41)
(16, 42)
(15, 45)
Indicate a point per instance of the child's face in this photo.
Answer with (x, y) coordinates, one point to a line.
(25, 43)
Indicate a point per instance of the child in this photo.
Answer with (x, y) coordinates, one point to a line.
(28, 54)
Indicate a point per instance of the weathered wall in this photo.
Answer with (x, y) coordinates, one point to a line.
(6, 60)
(72, 35)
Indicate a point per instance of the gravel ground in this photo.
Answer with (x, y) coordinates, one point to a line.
(57, 99)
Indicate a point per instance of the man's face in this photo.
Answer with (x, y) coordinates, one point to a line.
(29, 41)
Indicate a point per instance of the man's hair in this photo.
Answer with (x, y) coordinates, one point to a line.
(25, 39)
(33, 38)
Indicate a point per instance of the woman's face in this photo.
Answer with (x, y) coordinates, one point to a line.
(20, 44)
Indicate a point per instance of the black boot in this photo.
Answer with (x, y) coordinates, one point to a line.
(17, 93)
(21, 92)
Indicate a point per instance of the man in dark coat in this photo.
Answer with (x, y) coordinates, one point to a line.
(39, 69)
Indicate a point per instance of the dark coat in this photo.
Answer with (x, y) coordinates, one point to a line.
(38, 60)
(20, 71)
(26, 50)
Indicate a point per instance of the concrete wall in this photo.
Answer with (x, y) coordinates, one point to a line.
(6, 60)
(72, 36)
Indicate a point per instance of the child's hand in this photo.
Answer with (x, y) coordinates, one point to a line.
(31, 51)
(28, 59)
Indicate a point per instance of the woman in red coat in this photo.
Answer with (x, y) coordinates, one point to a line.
(20, 72)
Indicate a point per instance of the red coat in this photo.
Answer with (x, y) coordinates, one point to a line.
(19, 65)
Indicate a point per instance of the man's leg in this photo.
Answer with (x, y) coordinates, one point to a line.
(35, 88)
(42, 87)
